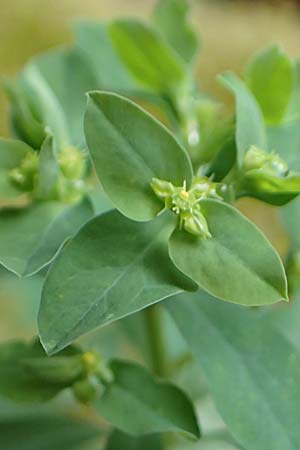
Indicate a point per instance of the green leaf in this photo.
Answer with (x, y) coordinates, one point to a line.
(119, 440)
(236, 264)
(25, 126)
(44, 103)
(46, 432)
(30, 238)
(270, 76)
(19, 384)
(250, 129)
(171, 18)
(251, 366)
(137, 404)
(69, 77)
(270, 188)
(112, 268)
(146, 55)
(94, 43)
(129, 148)
(48, 168)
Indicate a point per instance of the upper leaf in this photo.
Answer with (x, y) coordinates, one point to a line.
(270, 77)
(129, 148)
(236, 264)
(69, 77)
(251, 365)
(94, 43)
(112, 268)
(137, 404)
(146, 55)
(250, 128)
(170, 17)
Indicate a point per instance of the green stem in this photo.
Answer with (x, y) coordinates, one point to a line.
(154, 325)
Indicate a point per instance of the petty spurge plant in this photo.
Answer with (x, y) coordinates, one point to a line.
(119, 191)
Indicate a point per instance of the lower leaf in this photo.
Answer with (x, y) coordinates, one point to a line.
(112, 268)
(137, 404)
(236, 264)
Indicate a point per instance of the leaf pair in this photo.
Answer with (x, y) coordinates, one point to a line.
(116, 265)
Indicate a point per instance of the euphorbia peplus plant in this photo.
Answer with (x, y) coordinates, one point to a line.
(131, 200)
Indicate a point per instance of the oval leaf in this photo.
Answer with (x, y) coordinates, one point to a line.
(270, 76)
(149, 59)
(236, 264)
(112, 268)
(129, 148)
(138, 404)
(171, 18)
(250, 129)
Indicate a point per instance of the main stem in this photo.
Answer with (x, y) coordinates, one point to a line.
(156, 342)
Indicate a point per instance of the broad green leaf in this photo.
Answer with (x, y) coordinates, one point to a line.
(48, 168)
(112, 268)
(270, 76)
(269, 188)
(119, 440)
(30, 238)
(69, 77)
(146, 55)
(171, 18)
(11, 154)
(19, 384)
(94, 43)
(251, 366)
(47, 432)
(250, 128)
(138, 404)
(236, 264)
(129, 148)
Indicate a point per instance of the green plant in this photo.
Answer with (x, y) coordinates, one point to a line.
(131, 200)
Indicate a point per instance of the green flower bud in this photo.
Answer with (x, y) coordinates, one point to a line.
(71, 161)
(196, 224)
(163, 189)
(85, 390)
(25, 175)
(204, 187)
(266, 162)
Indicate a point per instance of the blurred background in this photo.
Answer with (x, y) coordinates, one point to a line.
(231, 30)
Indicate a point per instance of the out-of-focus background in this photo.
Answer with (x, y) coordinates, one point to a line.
(231, 31)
